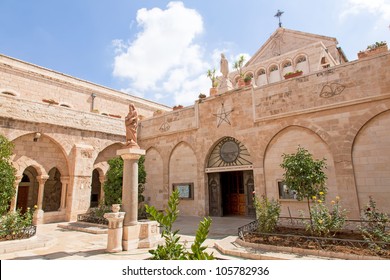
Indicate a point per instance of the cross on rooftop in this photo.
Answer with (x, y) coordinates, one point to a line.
(279, 15)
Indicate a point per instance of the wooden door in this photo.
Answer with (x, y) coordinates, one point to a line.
(233, 193)
(22, 198)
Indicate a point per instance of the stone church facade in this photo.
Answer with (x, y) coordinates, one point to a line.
(216, 152)
(228, 145)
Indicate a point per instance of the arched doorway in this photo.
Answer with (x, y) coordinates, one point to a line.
(230, 179)
(27, 195)
(52, 191)
(95, 189)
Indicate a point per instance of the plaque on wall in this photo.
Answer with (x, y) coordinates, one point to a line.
(186, 190)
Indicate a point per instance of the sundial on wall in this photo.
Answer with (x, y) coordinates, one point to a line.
(229, 152)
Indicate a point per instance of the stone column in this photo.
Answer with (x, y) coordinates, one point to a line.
(102, 179)
(65, 182)
(131, 227)
(115, 230)
(38, 214)
(15, 198)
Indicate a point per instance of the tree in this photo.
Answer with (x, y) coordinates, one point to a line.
(304, 175)
(7, 175)
(114, 181)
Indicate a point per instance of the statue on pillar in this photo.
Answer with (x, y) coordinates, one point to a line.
(131, 123)
(226, 84)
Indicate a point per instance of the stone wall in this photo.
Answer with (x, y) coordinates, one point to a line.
(333, 113)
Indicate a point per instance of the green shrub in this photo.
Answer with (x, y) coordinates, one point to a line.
(304, 175)
(114, 181)
(13, 223)
(172, 249)
(7, 175)
(324, 221)
(374, 228)
(267, 213)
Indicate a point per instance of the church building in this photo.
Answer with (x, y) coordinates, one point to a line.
(218, 152)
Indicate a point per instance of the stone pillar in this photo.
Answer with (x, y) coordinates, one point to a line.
(15, 198)
(131, 227)
(225, 86)
(115, 230)
(38, 214)
(102, 179)
(65, 182)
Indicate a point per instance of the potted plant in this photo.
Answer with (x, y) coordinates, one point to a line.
(238, 64)
(202, 96)
(248, 79)
(214, 82)
(177, 107)
(377, 48)
(290, 75)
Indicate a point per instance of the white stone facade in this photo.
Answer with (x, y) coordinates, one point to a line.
(219, 150)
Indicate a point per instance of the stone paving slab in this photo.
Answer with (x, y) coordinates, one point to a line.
(60, 242)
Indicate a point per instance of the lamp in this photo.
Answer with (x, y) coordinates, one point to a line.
(37, 135)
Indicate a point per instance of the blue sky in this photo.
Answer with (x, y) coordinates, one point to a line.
(161, 50)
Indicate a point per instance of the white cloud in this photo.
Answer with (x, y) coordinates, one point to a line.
(380, 8)
(163, 59)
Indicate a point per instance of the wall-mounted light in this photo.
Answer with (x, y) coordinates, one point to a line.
(37, 135)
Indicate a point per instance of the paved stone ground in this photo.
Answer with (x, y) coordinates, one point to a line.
(55, 243)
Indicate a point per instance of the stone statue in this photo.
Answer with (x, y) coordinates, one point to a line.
(224, 66)
(131, 122)
(225, 84)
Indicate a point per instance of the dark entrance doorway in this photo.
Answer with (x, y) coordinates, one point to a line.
(233, 193)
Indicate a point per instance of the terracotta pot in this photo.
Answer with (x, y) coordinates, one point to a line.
(293, 75)
(240, 82)
(213, 91)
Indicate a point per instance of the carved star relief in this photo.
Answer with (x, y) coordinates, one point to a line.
(223, 115)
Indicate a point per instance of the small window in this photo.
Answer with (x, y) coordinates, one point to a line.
(301, 59)
(65, 105)
(285, 192)
(287, 64)
(273, 68)
(261, 72)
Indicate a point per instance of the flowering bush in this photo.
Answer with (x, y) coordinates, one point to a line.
(374, 229)
(13, 223)
(324, 221)
(267, 213)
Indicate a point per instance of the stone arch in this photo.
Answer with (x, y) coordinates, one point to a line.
(52, 191)
(96, 187)
(182, 169)
(242, 154)
(106, 154)
(43, 154)
(371, 161)
(286, 66)
(286, 141)
(155, 192)
(261, 77)
(350, 136)
(301, 63)
(27, 192)
(273, 73)
(230, 180)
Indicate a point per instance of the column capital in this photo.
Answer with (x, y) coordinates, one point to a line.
(42, 178)
(130, 153)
